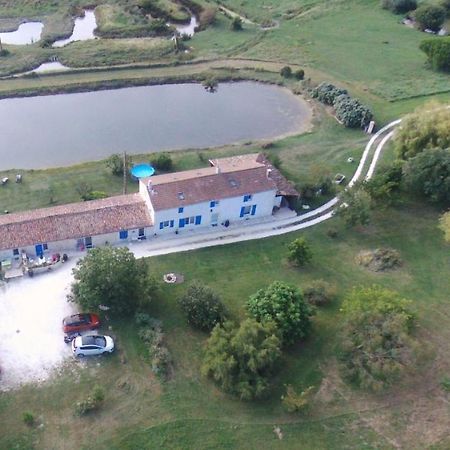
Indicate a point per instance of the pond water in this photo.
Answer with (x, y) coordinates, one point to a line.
(188, 29)
(27, 33)
(83, 29)
(60, 130)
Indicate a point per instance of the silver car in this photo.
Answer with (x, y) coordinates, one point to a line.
(92, 345)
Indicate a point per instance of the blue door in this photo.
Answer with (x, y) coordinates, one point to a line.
(198, 220)
(253, 210)
(242, 211)
(181, 223)
(39, 250)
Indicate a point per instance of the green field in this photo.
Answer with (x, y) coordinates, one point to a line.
(353, 43)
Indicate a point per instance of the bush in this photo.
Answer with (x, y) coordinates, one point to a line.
(241, 359)
(115, 163)
(142, 318)
(286, 72)
(294, 402)
(284, 306)
(380, 259)
(163, 162)
(236, 24)
(91, 402)
(299, 252)
(377, 337)
(438, 52)
(319, 293)
(399, 6)
(202, 307)
(430, 17)
(28, 418)
(299, 74)
(332, 233)
(327, 93)
(351, 112)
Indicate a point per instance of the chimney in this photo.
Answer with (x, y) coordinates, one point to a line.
(150, 186)
(268, 172)
(217, 169)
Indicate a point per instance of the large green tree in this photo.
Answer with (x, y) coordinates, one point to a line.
(112, 277)
(426, 128)
(241, 359)
(377, 342)
(285, 306)
(356, 206)
(429, 174)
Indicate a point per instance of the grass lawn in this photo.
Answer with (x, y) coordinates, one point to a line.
(189, 412)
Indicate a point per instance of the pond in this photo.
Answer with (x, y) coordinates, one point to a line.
(187, 29)
(83, 29)
(27, 33)
(60, 130)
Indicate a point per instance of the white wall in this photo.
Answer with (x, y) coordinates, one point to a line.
(227, 209)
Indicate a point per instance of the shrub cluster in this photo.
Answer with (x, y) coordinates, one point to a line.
(28, 418)
(438, 52)
(399, 6)
(151, 333)
(319, 293)
(348, 110)
(294, 402)
(91, 402)
(430, 17)
(162, 161)
(202, 307)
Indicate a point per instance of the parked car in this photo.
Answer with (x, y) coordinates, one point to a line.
(80, 322)
(89, 345)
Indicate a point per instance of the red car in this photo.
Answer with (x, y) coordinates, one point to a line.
(80, 322)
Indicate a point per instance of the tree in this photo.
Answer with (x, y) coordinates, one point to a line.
(112, 277)
(386, 183)
(351, 112)
(356, 206)
(430, 17)
(429, 174)
(444, 225)
(299, 74)
(299, 252)
(162, 161)
(285, 306)
(241, 359)
(202, 307)
(327, 93)
(286, 72)
(236, 24)
(428, 127)
(377, 337)
(399, 6)
(438, 52)
(115, 163)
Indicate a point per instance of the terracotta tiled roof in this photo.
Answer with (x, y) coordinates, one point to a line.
(196, 186)
(73, 221)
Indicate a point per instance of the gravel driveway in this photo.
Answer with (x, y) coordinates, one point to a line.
(31, 337)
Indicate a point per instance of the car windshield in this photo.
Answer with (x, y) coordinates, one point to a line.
(93, 340)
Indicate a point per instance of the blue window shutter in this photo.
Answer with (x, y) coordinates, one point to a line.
(212, 204)
(123, 234)
(198, 220)
(253, 210)
(181, 223)
(242, 211)
(161, 225)
(180, 210)
(171, 224)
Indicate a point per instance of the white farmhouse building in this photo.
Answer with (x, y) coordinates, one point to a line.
(230, 190)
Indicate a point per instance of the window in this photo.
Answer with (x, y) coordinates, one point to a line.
(180, 210)
(141, 232)
(247, 197)
(123, 234)
(16, 252)
(181, 195)
(213, 203)
(166, 224)
(246, 210)
(45, 246)
(197, 220)
(88, 242)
